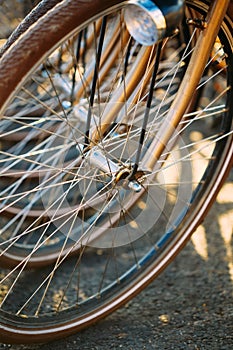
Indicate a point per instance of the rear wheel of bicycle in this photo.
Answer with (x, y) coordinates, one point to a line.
(84, 227)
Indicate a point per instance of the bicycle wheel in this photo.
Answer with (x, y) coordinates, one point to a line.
(74, 194)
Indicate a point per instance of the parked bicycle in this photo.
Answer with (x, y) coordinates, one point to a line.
(116, 136)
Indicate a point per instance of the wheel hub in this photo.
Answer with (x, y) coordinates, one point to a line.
(120, 173)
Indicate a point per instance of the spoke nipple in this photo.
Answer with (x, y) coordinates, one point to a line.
(135, 186)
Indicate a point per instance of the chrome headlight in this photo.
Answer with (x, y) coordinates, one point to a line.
(149, 21)
(145, 21)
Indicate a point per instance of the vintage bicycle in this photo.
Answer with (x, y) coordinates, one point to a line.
(116, 136)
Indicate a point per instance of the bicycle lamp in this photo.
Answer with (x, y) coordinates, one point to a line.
(150, 21)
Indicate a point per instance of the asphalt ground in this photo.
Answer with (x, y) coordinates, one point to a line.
(188, 307)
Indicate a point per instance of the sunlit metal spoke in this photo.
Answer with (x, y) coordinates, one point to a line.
(47, 278)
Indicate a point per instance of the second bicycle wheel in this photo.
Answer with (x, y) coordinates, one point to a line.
(84, 226)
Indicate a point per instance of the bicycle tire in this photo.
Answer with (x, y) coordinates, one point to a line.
(114, 289)
(34, 14)
(12, 12)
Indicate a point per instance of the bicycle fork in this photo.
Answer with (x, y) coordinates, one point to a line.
(143, 17)
(198, 61)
